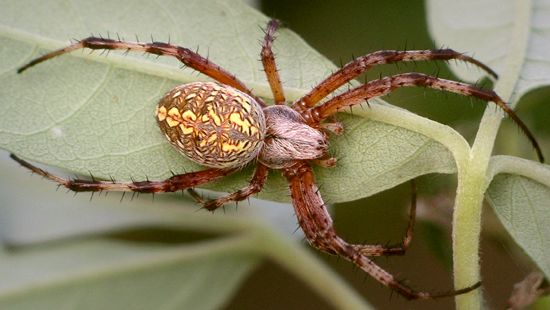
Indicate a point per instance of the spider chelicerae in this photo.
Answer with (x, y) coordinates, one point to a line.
(223, 126)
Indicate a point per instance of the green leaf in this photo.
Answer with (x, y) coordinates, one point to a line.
(488, 29)
(520, 195)
(522, 206)
(110, 274)
(94, 113)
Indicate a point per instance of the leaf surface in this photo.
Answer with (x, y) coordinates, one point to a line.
(94, 113)
(487, 28)
(110, 274)
(512, 37)
(520, 196)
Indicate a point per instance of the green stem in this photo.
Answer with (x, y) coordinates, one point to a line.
(522, 167)
(472, 184)
(474, 175)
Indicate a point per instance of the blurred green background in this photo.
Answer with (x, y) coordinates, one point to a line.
(340, 30)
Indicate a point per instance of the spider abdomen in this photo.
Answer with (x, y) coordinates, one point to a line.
(212, 124)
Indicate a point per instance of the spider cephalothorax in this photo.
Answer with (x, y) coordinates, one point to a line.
(222, 125)
(290, 139)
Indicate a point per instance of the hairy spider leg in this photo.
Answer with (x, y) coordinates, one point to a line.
(255, 186)
(268, 61)
(383, 86)
(172, 184)
(361, 64)
(318, 228)
(186, 56)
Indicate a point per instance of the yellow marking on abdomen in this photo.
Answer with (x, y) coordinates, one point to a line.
(212, 138)
(227, 147)
(214, 116)
(236, 119)
(161, 113)
(189, 115)
(174, 117)
(186, 129)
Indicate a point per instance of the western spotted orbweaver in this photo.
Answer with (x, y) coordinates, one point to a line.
(223, 126)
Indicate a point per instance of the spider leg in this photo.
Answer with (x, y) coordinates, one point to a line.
(334, 127)
(318, 228)
(361, 64)
(383, 86)
(255, 186)
(326, 161)
(172, 184)
(268, 61)
(186, 56)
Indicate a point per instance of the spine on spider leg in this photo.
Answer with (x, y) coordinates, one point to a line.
(172, 184)
(255, 186)
(363, 63)
(185, 55)
(491, 96)
(90, 42)
(268, 61)
(385, 85)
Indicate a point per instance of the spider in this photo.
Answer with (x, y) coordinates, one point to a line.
(223, 126)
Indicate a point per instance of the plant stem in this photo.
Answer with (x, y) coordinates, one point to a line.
(472, 184)
(473, 176)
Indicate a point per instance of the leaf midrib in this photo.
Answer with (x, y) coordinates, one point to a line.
(515, 60)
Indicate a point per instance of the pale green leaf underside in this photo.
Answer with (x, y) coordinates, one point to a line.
(520, 195)
(487, 28)
(108, 274)
(523, 205)
(91, 113)
(513, 38)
